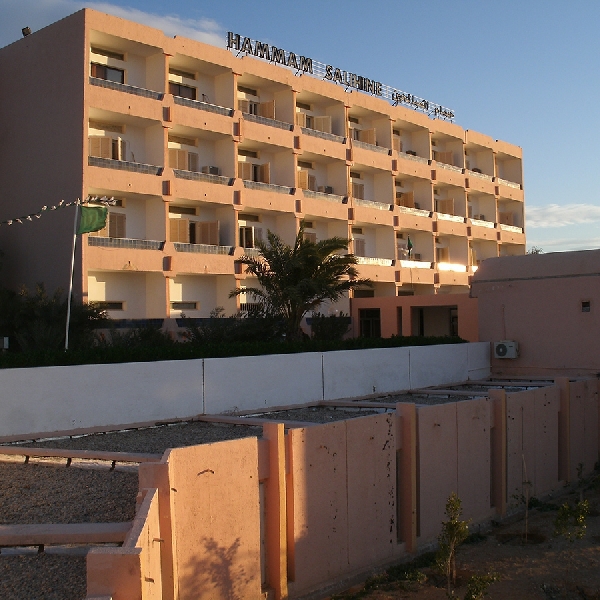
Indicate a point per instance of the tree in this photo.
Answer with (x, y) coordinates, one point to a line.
(296, 279)
(535, 250)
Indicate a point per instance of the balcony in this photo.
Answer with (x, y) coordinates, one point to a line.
(454, 267)
(414, 264)
(324, 196)
(204, 248)
(511, 184)
(373, 204)
(128, 89)
(213, 108)
(324, 135)
(109, 242)
(372, 147)
(448, 167)
(480, 223)
(511, 228)
(123, 165)
(258, 185)
(454, 218)
(380, 262)
(478, 175)
(414, 211)
(196, 176)
(414, 158)
(269, 122)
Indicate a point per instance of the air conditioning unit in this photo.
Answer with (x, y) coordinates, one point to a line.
(211, 170)
(506, 349)
(417, 256)
(325, 189)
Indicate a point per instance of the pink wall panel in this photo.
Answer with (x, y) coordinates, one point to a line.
(547, 406)
(216, 520)
(473, 421)
(320, 517)
(371, 489)
(437, 465)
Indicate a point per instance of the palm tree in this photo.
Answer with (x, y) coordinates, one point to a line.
(296, 279)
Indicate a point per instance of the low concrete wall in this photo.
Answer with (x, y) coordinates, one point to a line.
(53, 399)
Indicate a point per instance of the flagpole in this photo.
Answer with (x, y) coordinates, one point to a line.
(71, 277)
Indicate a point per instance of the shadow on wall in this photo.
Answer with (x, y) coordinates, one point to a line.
(220, 575)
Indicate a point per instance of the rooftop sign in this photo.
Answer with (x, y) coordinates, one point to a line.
(305, 65)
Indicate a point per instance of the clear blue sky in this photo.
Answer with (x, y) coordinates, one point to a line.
(524, 71)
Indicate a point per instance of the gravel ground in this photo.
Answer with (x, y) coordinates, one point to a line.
(429, 399)
(317, 414)
(153, 440)
(36, 493)
(42, 577)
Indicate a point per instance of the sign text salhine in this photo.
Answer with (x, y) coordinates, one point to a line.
(330, 73)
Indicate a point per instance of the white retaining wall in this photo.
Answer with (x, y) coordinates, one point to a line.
(48, 399)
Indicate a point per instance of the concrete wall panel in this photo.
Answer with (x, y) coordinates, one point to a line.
(249, 382)
(473, 454)
(437, 458)
(578, 427)
(371, 463)
(215, 517)
(435, 365)
(358, 373)
(514, 447)
(59, 398)
(320, 512)
(547, 406)
(591, 425)
(478, 360)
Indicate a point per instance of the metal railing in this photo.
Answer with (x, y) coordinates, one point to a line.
(380, 262)
(196, 176)
(108, 242)
(258, 185)
(123, 165)
(324, 135)
(213, 108)
(128, 89)
(267, 121)
(203, 248)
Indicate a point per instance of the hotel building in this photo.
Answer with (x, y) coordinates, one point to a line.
(206, 148)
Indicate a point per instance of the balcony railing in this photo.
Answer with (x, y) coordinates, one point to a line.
(213, 108)
(258, 185)
(511, 184)
(480, 223)
(419, 159)
(380, 262)
(457, 268)
(324, 196)
(415, 264)
(454, 218)
(414, 211)
(324, 135)
(123, 165)
(373, 147)
(511, 228)
(255, 252)
(195, 176)
(123, 87)
(204, 248)
(373, 204)
(449, 167)
(108, 242)
(267, 121)
(478, 175)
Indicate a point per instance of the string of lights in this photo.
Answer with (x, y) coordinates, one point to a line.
(105, 200)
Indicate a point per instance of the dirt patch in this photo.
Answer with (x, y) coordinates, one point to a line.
(317, 414)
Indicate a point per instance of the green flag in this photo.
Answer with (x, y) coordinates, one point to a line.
(93, 218)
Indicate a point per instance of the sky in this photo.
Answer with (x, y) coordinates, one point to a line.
(523, 71)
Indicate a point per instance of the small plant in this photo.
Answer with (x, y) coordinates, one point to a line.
(570, 521)
(477, 586)
(454, 533)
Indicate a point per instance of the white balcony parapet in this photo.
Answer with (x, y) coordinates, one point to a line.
(381, 262)
(324, 196)
(449, 167)
(196, 176)
(267, 121)
(203, 248)
(480, 223)
(443, 266)
(324, 135)
(507, 183)
(258, 185)
(123, 87)
(454, 218)
(511, 228)
(412, 157)
(478, 175)
(415, 264)
(415, 211)
(365, 146)
(373, 204)
(207, 106)
(123, 165)
(108, 242)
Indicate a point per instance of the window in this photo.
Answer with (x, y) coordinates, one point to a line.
(182, 160)
(107, 147)
(586, 306)
(370, 322)
(249, 236)
(110, 305)
(184, 305)
(108, 73)
(115, 226)
(183, 91)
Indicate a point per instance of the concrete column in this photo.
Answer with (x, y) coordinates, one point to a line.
(498, 445)
(564, 429)
(406, 488)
